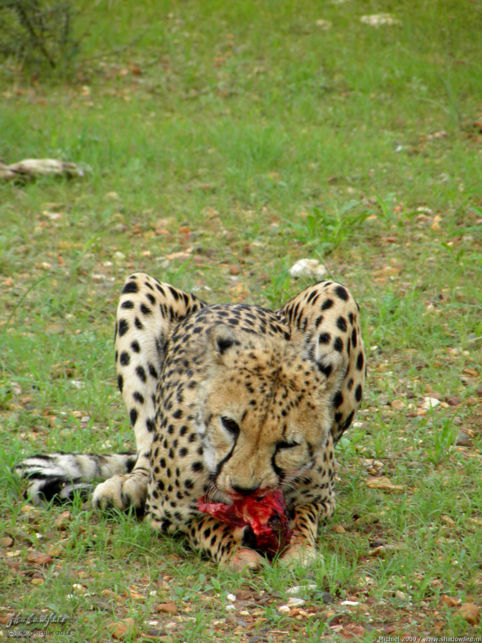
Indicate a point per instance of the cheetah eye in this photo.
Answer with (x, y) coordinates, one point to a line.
(283, 444)
(230, 425)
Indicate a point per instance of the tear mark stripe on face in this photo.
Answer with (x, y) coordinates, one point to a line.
(220, 464)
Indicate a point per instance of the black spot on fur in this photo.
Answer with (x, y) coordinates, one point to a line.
(353, 338)
(338, 399)
(341, 323)
(360, 361)
(342, 293)
(124, 358)
(123, 327)
(130, 286)
(174, 293)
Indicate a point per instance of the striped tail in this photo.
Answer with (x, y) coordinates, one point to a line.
(59, 475)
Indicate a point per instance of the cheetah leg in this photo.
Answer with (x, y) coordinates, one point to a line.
(302, 548)
(147, 312)
(222, 543)
(324, 321)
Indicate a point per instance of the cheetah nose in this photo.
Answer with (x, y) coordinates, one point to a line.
(245, 491)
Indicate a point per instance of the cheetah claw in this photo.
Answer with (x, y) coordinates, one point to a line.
(121, 491)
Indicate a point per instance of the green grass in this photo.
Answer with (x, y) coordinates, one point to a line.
(245, 136)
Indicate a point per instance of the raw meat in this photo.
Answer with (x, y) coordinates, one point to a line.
(266, 516)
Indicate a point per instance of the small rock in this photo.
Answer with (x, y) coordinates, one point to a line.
(379, 19)
(374, 467)
(295, 601)
(231, 597)
(453, 400)
(350, 603)
(298, 589)
(470, 612)
(463, 439)
(430, 403)
(308, 268)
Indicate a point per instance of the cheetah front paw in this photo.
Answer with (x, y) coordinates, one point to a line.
(243, 559)
(299, 553)
(121, 491)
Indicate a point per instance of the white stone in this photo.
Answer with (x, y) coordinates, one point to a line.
(430, 402)
(295, 601)
(379, 19)
(308, 268)
(297, 589)
(350, 603)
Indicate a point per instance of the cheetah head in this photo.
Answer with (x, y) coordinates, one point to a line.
(266, 410)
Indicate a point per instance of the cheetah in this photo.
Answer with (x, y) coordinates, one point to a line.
(226, 401)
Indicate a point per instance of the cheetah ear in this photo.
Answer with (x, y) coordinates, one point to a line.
(222, 339)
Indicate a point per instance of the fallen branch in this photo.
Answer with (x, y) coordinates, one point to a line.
(31, 168)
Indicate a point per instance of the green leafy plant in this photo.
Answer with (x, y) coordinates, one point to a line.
(38, 31)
